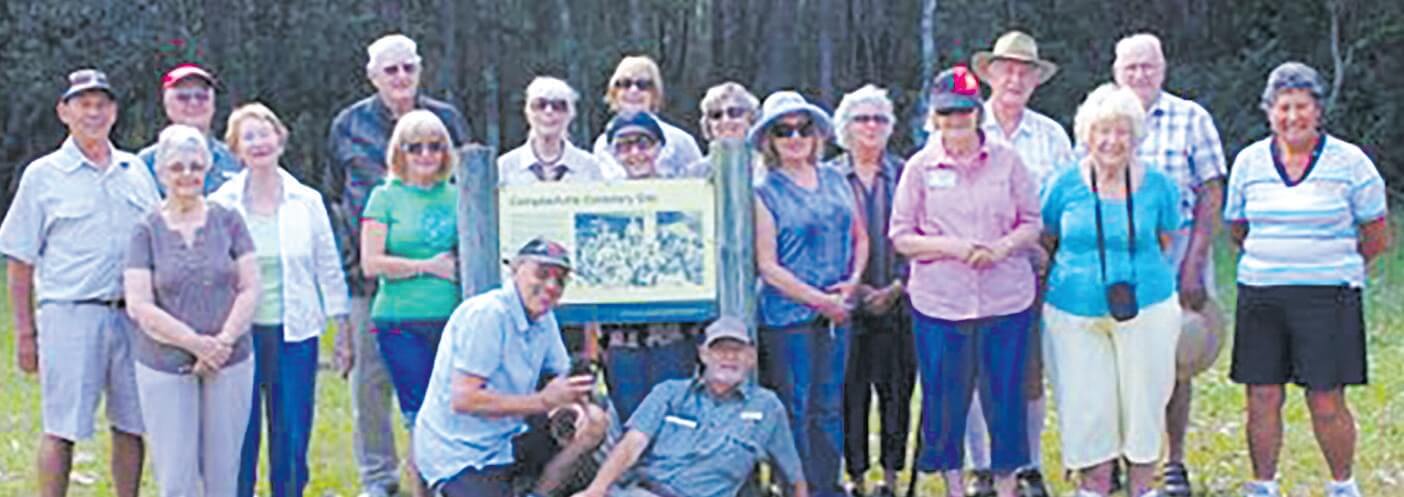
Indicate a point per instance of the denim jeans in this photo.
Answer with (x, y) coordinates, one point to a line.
(804, 365)
(956, 357)
(633, 372)
(285, 376)
(408, 348)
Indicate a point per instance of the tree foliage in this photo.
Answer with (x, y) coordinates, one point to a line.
(305, 59)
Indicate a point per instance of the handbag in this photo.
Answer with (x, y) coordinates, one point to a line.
(1121, 295)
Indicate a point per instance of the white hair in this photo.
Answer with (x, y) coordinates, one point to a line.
(179, 140)
(843, 116)
(391, 47)
(1110, 102)
(551, 88)
(1139, 42)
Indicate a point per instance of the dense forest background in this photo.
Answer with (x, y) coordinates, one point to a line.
(305, 58)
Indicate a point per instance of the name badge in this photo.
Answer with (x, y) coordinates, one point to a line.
(683, 422)
(752, 415)
(941, 178)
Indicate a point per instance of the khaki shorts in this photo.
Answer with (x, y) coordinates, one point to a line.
(84, 352)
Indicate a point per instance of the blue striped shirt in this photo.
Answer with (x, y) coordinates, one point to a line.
(1182, 141)
(1303, 232)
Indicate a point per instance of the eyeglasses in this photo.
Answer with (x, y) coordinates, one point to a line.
(643, 84)
(871, 118)
(805, 130)
(196, 95)
(948, 112)
(553, 273)
(556, 104)
(416, 148)
(196, 168)
(395, 69)
(732, 112)
(637, 142)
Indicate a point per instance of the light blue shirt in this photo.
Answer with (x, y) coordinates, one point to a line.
(1304, 233)
(223, 166)
(1075, 284)
(488, 336)
(72, 221)
(1182, 141)
(704, 446)
(1041, 142)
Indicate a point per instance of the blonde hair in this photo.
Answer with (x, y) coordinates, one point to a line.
(248, 111)
(843, 116)
(419, 124)
(1109, 102)
(631, 65)
(721, 94)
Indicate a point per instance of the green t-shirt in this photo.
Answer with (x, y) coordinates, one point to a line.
(420, 223)
(264, 231)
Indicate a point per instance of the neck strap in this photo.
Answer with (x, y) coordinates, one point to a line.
(1130, 223)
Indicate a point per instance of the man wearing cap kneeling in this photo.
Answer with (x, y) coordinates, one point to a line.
(188, 95)
(702, 437)
(496, 346)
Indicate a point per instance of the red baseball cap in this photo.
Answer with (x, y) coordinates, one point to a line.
(183, 71)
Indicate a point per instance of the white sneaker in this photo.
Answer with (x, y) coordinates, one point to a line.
(1261, 489)
(1347, 488)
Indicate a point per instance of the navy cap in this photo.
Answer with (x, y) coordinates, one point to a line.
(84, 80)
(544, 251)
(955, 89)
(635, 122)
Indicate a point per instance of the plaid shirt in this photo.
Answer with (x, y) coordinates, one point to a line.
(1182, 141)
(357, 141)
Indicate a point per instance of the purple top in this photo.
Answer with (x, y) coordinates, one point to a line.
(991, 200)
(196, 284)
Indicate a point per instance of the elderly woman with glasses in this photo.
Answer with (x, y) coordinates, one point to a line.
(548, 155)
(880, 357)
(811, 250)
(192, 285)
(302, 285)
(964, 211)
(637, 86)
(1308, 212)
(1111, 316)
(409, 242)
(728, 110)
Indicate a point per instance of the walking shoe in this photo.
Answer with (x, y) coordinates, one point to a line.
(1346, 488)
(1031, 483)
(1261, 489)
(981, 484)
(1174, 480)
(882, 491)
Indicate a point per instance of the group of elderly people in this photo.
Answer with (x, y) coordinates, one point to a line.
(996, 253)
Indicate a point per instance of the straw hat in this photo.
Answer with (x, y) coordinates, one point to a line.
(1014, 45)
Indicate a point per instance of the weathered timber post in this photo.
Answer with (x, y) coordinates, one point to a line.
(479, 258)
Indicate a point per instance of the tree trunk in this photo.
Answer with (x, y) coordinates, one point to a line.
(928, 67)
(636, 24)
(492, 85)
(827, 16)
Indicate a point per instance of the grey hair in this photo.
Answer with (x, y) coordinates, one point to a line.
(1109, 102)
(549, 87)
(843, 116)
(383, 49)
(1139, 42)
(719, 95)
(178, 140)
(1294, 76)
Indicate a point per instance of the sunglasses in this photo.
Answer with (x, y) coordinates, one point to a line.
(643, 84)
(637, 142)
(433, 147)
(731, 112)
(871, 118)
(187, 167)
(805, 130)
(556, 104)
(196, 95)
(395, 69)
(950, 112)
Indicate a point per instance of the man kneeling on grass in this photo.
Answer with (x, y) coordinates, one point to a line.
(495, 348)
(702, 437)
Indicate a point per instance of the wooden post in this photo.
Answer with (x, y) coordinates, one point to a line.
(479, 257)
(736, 231)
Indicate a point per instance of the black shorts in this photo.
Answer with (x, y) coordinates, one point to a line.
(1313, 336)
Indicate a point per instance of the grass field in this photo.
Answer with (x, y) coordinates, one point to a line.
(1217, 453)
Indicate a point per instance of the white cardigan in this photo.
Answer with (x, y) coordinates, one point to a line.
(314, 286)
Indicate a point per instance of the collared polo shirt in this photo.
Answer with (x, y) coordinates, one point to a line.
(516, 167)
(488, 336)
(1042, 143)
(707, 446)
(72, 221)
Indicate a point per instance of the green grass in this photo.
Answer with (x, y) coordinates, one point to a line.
(1217, 451)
